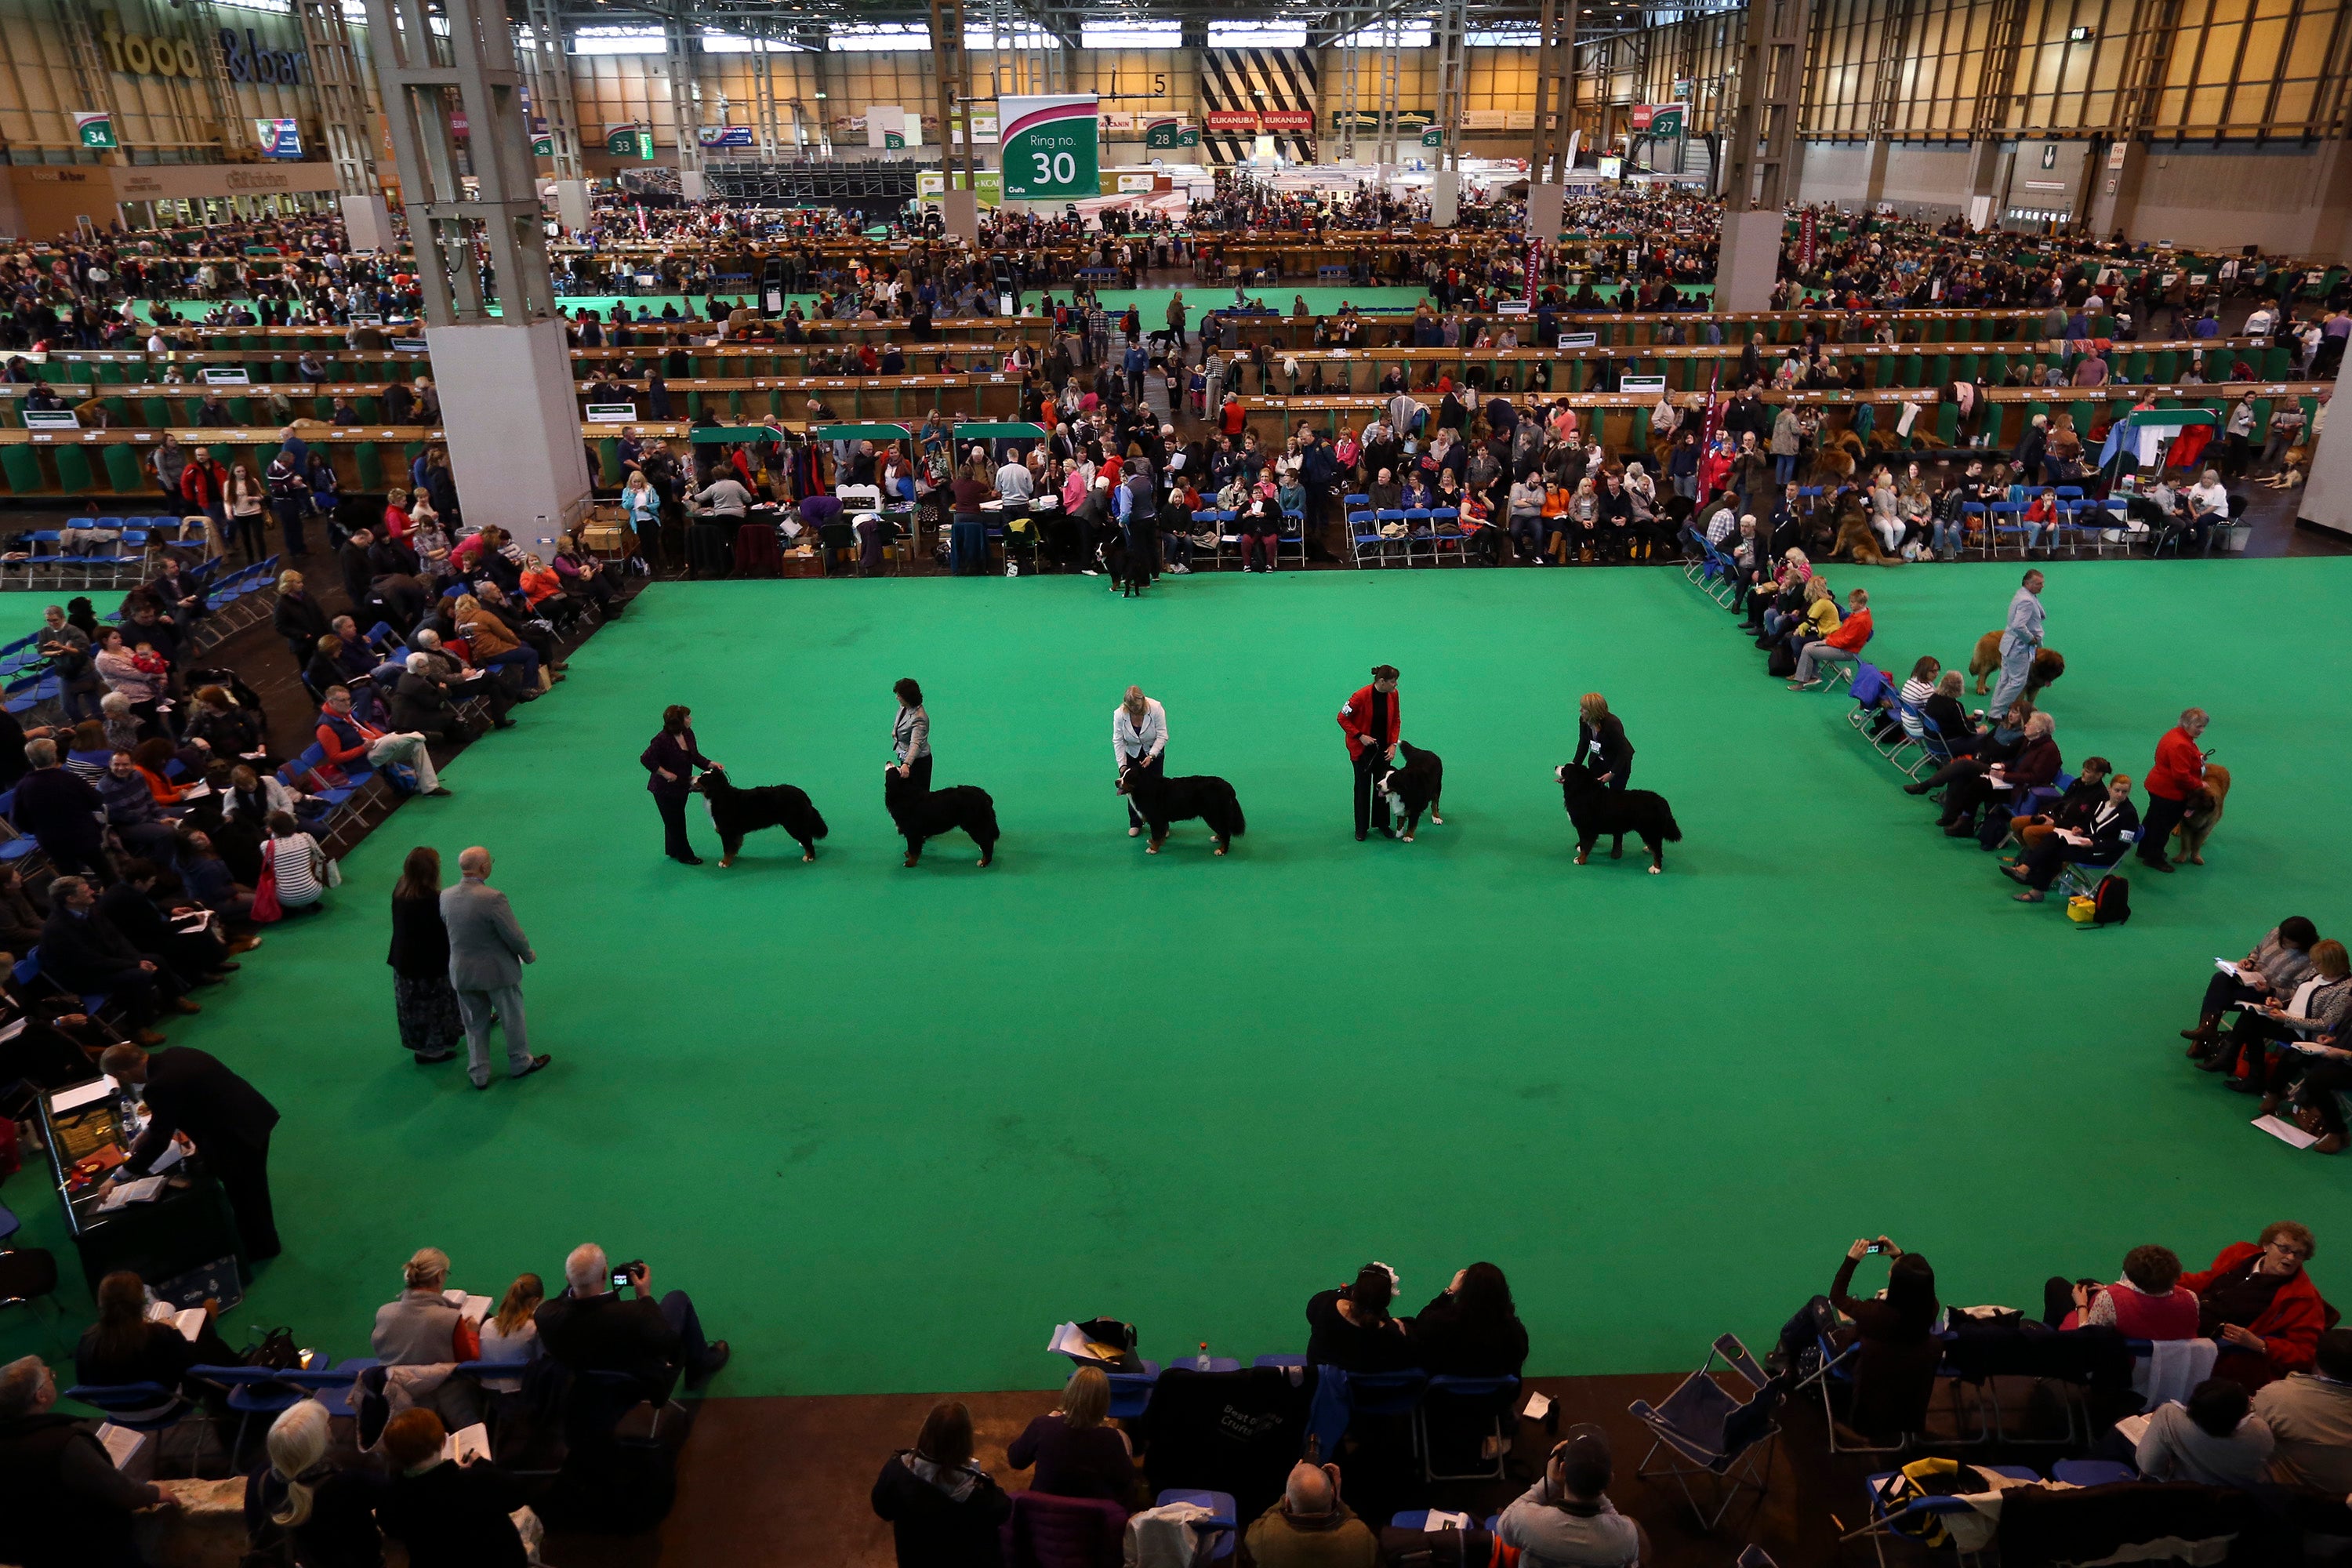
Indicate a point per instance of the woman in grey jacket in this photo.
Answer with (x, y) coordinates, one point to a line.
(2279, 962)
(911, 735)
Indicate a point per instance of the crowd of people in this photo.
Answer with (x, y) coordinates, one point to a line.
(555, 1376)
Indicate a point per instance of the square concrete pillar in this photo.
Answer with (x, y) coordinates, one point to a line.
(1545, 205)
(693, 186)
(367, 222)
(512, 423)
(1444, 198)
(2327, 490)
(572, 204)
(1748, 263)
(960, 211)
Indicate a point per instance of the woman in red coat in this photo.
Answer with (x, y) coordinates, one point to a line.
(1371, 721)
(2179, 772)
(2260, 1306)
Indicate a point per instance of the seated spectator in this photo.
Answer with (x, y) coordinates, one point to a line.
(350, 743)
(207, 880)
(2309, 1413)
(1470, 1329)
(2260, 1306)
(445, 1513)
(293, 861)
(509, 1336)
(131, 809)
(83, 952)
(494, 643)
(301, 1508)
(1311, 1527)
(2279, 963)
(66, 1504)
(1566, 1519)
(2146, 1303)
(2080, 802)
(1350, 1327)
(126, 1346)
(944, 1512)
(590, 1328)
(198, 957)
(254, 795)
(2100, 840)
(2317, 1010)
(2215, 1440)
(420, 1327)
(1843, 646)
(219, 726)
(1076, 1449)
(1895, 1366)
(2035, 763)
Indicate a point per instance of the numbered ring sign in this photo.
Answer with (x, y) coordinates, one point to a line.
(1050, 147)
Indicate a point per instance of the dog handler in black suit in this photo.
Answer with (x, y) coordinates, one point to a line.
(188, 1091)
(670, 762)
(1601, 742)
(1371, 720)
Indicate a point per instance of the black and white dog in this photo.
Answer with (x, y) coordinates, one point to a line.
(921, 813)
(1595, 809)
(1404, 791)
(738, 812)
(1163, 800)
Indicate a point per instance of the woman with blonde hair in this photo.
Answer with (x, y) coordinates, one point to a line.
(1077, 1453)
(1601, 747)
(300, 1508)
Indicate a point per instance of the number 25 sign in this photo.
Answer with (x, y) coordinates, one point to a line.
(1049, 147)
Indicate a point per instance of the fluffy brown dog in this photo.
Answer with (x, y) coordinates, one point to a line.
(2204, 815)
(1985, 663)
(1855, 539)
(1834, 462)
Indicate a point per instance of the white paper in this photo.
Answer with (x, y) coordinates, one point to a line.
(82, 1094)
(2133, 1428)
(1067, 1340)
(172, 1155)
(1538, 1406)
(10, 1029)
(120, 1442)
(1440, 1519)
(2285, 1132)
(474, 1308)
(190, 1322)
(467, 1443)
(2226, 967)
(143, 1190)
(196, 791)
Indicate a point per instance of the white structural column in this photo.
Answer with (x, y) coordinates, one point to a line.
(507, 396)
(1553, 153)
(2327, 492)
(960, 195)
(1760, 152)
(686, 108)
(1452, 21)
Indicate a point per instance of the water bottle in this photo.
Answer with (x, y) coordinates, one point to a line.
(1201, 1361)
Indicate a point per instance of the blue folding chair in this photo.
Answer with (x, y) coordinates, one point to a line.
(1707, 1432)
(1465, 1400)
(1131, 1391)
(2092, 1472)
(1915, 1513)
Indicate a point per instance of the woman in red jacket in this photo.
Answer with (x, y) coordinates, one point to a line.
(1371, 721)
(2177, 774)
(2260, 1306)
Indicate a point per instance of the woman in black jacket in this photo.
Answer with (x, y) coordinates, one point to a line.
(427, 1007)
(1349, 1327)
(670, 761)
(1471, 1330)
(943, 1510)
(297, 618)
(124, 1346)
(1601, 742)
(2102, 842)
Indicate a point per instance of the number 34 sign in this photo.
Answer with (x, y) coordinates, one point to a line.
(1049, 147)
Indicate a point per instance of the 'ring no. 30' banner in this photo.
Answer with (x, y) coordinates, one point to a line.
(1049, 147)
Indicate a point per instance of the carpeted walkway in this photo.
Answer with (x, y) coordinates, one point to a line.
(889, 1126)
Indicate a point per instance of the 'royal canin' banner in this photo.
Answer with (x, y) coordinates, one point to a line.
(1051, 147)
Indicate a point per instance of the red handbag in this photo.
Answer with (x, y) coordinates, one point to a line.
(265, 907)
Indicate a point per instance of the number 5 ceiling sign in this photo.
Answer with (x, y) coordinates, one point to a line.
(1050, 147)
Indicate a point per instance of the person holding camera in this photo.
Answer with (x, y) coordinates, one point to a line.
(1566, 1519)
(591, 1328)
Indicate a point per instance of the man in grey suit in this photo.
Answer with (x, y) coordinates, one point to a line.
(486, 952)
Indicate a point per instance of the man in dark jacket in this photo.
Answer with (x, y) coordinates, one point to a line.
(198, 957)
(188, 1090)
(299, 618)
(61, 811)
(445, 1513)
(590, 1328)
(420, 702)
(64, 1501)
(86, 953)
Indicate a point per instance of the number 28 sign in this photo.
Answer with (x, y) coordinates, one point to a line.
(1049, 147)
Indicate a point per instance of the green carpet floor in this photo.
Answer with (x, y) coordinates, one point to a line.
(888, 1127)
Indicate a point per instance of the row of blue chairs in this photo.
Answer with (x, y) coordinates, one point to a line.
(1431, 532)
(251, 1391)
(1289, 539)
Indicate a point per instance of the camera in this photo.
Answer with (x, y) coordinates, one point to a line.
(625, 1273)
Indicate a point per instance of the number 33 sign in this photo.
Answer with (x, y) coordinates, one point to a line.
(1049, 147)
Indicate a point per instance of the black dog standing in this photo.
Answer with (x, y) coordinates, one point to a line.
(738, 812)
(1371, 720)
(670, 762)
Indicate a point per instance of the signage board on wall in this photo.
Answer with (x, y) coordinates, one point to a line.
(611, 413)
(51, 420)
(1168, 132)
(278, 138)
(227, 375)
(724, 135)
(94, 128)
(630, 141)
(932, 185)
(1051, 147)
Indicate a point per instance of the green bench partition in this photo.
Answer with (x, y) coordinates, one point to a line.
(73, 471)
(123, 470)
(22, 465)
(369, 464)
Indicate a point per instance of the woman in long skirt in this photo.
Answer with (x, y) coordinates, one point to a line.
(427, 1007)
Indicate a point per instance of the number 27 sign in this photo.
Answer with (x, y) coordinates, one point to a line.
(1049, 147)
